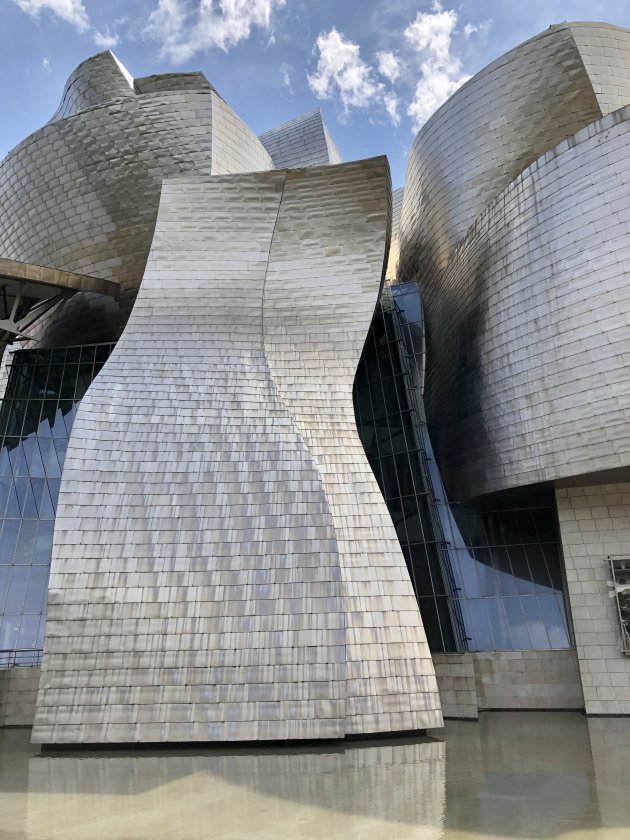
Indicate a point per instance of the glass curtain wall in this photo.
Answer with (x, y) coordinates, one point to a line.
(36, 416)
(485, 579)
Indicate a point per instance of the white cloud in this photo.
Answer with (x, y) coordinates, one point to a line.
(388, 65)
(106, 40)
(285, 75)
(342, 72)
(390, 100)
(72, 11)
(183, 31)
(431, 36)
(46, 65)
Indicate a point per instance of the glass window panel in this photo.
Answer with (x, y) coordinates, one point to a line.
(61, 447)
(488, 582)
(27, 637)
(475, 528)
(68, 382)
(526, 526)
(5, 463)
(468, 573)
(31, 417)
(498, 624)
(87, 355)
(20, 486)
(18, 460)
(17, 589)
(43, 542)
(517, 623)
(509, 533)
(102, 352)
(446, 624)
(35, 463)
(381, 429)
(538, 567)
(494, 531)
(535, 622)
(505, 578)
(520, 567)
(552, 609)
(9, 628)
(47, 419)
(29, 510)
(390, 485)
(477, 625)
(378, 474)
(414, 519)
(433, 558)
(431, 622)
(84, 379)
(552, 558)
(5, 576)
(41, 631)
(53, 488)
(26, 542)
(545, 525)
(364, 403)
(378, 400)
(69, 410)
(50, 458)
(5, 489)
(419, 568)
(59, 427)
(8, 541)
(36, 590)
(45, 504)
(15, 421)
(53, 383)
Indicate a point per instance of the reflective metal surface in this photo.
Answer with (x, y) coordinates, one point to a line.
(536, 775)
(225, 567)
(82, 193)
(527, 381)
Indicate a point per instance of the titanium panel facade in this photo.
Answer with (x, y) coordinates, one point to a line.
(224, 563)
(303, 141)
(82, 193)
(530, 383)
(495, 125)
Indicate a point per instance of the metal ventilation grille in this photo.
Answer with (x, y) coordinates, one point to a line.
(620, 591)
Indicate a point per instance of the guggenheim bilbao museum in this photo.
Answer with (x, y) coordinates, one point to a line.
(285, 456)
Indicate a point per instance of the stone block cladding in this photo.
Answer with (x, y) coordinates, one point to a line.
(18, 693)
(224, 563)
(595, 523)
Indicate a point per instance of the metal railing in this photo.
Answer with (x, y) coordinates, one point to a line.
(20, 657)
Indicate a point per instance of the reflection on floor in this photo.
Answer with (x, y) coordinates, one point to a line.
(512, 775)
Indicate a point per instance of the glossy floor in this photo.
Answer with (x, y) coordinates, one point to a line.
(512, 775)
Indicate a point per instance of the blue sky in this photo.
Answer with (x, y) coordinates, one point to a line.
(377, 68)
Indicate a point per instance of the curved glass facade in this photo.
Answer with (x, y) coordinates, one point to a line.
(43, 391)
(486, 579)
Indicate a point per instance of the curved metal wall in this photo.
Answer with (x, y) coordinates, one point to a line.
(505, 117)
(530, 383)
(82, 193)
(225, 567)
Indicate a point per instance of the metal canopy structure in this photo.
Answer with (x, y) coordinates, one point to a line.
(27, 292)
